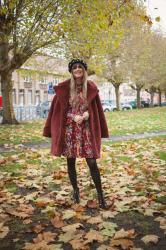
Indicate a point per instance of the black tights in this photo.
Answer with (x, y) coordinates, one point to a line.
(94, 171)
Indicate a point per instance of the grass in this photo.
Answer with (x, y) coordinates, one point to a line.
(162, 155)
(119, 123)
(137, 121)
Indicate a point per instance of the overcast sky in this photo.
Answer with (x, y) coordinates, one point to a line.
(160, 11)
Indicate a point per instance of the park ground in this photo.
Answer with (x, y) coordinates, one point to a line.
(36, 208)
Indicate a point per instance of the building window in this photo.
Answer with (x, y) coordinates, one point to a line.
(29, 96)
(42, 79)
(21, 97)
(27, 78)
(37, 97)
(14, 96)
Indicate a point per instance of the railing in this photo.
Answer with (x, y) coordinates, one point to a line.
(32, 112)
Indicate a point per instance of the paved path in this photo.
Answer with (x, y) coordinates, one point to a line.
(135, 136)
(114, 138)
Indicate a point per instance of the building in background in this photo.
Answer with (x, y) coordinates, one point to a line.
(33, 82)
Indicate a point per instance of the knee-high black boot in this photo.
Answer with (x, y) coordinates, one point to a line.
(73, 178)
(95, 173)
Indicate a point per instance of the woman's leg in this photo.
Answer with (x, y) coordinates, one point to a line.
(73, 178)
(95, 173)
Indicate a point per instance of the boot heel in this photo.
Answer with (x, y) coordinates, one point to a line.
(76, 196)
(102, 203)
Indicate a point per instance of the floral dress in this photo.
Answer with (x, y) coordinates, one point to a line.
(77, 141)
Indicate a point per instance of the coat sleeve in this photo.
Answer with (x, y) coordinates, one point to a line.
(47, 127)
(103, 123)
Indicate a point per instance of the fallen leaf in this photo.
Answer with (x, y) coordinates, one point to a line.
(150, 238)
(95, 220)
(124, 234)
(36, 246)
(72, 227)
(66, 237)
(68, 214)
(45, 236)
(78, 244)
(38, 228)
(93, 235)
(57, 222)
(125, 244)
(3, 230)
(92, 204)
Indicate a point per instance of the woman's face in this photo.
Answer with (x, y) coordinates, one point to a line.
(77, 71)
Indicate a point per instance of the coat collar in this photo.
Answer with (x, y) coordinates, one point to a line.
(63, 88)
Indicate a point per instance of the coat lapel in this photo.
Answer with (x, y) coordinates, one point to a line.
(63, 90)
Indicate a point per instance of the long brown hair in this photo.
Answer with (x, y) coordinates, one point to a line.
(73, 89)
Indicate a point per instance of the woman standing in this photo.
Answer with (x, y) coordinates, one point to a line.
(76, 124)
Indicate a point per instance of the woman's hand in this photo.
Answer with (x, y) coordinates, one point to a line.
(86, 115)
(78, 119)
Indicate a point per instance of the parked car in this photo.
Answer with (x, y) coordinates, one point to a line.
(111, 106)
(134, 104)
(145, 104)
(126, 106)
(107, 107)
(163, 104)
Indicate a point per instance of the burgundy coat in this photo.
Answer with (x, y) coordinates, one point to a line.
(55, 123)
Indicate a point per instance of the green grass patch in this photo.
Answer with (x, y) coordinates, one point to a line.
(137, 121)
(14, 168)
(11, 187)
(124, 158)
(161, 199)
(161, 155)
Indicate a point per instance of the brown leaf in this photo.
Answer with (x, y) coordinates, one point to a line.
(125, 244)
(72, 227)
(57, 222)
(95, 220)
(93, 235)
(59, 175)
(45, 236)
(2, 161)
(42, 245)
(38, 228)
(27, 221)
(92, 204)
(78, 208)
(43, 201)
(124, 234)
(150, 238)
(3, 230)
(105, 247)
(78, 244)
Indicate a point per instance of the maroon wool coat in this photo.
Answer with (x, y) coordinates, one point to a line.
(55, 123)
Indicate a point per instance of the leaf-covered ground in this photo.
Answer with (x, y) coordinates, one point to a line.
(37, 212)
(119, 123)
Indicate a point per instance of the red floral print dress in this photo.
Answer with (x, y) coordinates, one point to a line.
(77, 141)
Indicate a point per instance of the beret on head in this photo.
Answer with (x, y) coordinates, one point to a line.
(74, 61)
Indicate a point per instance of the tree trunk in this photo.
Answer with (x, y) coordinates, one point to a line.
(117, 96)
(151, 99)
(7, 103)
(159, 97)
(138, 97)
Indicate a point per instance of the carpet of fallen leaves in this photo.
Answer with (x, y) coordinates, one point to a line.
(37, 211)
